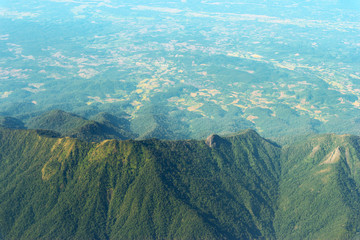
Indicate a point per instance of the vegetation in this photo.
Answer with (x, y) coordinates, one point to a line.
(57, 120)
(224, 73)
(10, 122)
(79, 79)
(103, 126)
(235, 187)
(62, 188)
(319, 189)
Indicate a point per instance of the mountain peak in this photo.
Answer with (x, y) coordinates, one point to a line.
(213, 140)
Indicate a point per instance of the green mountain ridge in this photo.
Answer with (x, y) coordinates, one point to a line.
(326, 167)
(10, 122)
(236, 187)
(57, 120)
(102, 126)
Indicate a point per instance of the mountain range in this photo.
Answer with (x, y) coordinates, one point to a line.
(240, 186)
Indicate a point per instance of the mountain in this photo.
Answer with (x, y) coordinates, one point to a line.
(119, 124)
(57, 120)
(159, 125)
(10, 122)
(240, 186)
(63, 188)
(104, 126)
(319, 189)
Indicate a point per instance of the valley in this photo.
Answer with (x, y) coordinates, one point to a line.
(244, 64)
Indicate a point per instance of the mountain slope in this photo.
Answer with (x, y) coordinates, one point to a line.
(67, 189)
(319, 189)
(57, 120)
(235, 187)
(158, 125)
(71, 125)
(118, 125)
(10, 122)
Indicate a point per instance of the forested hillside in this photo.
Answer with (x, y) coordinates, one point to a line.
(235, 187)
